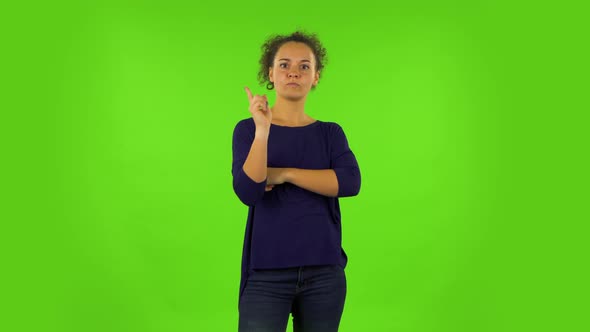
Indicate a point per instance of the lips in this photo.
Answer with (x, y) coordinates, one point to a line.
(292, 84)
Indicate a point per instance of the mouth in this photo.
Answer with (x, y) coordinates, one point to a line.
(292, 84)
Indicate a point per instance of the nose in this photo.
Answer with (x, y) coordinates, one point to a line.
(293, 74)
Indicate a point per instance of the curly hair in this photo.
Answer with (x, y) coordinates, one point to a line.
(274, 42)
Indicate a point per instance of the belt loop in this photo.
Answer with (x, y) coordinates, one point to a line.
(299, 279)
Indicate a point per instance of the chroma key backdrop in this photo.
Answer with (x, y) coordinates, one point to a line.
(119, 214)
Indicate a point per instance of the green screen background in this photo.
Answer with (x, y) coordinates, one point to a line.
(118, 209)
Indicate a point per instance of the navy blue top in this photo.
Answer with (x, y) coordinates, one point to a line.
(289, 226)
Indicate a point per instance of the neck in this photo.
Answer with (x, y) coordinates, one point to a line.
(290, 112)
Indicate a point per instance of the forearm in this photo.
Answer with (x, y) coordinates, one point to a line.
(319, 181)
(255, 164)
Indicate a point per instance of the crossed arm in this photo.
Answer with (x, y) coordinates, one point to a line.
(252, 177)
(320, 181)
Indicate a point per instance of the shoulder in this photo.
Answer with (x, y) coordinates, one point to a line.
(245, 126)
(245, 123)
(331, 128)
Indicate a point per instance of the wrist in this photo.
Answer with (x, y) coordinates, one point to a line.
(261, 133)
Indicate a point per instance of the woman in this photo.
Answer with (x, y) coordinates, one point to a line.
(290, 169)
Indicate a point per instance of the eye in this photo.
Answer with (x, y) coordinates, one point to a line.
(305, 66)
(281, 65)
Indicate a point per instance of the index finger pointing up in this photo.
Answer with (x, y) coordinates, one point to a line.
(249, 93)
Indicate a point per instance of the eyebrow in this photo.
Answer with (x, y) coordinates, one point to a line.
(305, 60)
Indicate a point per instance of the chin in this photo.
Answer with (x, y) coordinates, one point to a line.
(294, 96)
(293, 93)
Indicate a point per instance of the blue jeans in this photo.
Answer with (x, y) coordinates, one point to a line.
(313, 294)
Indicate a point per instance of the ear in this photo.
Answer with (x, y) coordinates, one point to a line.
(270, 78)
(316, 79)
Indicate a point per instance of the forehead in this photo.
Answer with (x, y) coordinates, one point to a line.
(295, 51)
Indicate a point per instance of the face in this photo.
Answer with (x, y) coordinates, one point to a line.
(293, 72)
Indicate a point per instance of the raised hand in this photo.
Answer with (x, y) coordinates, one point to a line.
(260, 110)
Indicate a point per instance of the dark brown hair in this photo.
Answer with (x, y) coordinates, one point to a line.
(274, 42)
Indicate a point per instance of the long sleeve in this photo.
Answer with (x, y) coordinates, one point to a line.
(247, 190)
(344, 164)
